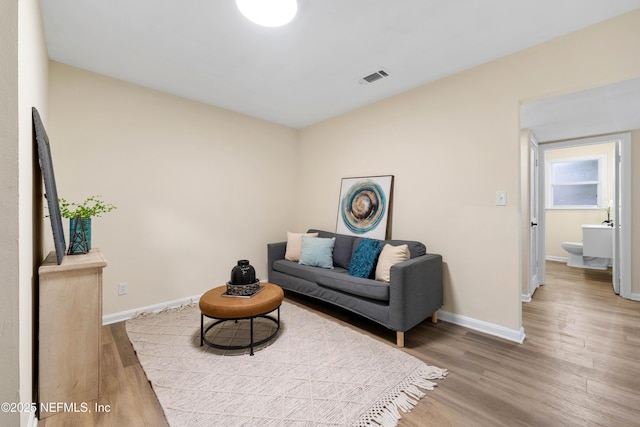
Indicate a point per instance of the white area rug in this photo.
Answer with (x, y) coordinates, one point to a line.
(315, 372)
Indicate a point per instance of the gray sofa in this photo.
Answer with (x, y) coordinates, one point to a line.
(413, 294)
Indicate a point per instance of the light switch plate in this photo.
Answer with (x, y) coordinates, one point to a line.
(501, 198)
(123, 288)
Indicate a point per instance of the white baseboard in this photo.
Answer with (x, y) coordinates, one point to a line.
(635, 297)
(128, 314)
(482, 326)
(563, 259)
(529, 297)
(33, 420)
(457, 319)
(557, 258)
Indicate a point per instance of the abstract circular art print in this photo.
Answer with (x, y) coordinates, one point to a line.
(363, 206)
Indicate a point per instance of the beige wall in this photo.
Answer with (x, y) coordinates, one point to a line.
(451, 145)
(33, 84)
(565, 225)
(196, 187)
(23, 83)
(9, 226)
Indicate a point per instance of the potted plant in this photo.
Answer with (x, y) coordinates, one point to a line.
(90, 207)
(608, 221)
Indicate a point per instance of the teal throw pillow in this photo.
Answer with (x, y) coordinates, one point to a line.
(364, 258)
(317, 252)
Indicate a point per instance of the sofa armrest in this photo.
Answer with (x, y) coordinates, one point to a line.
(275, 251)
(415, 291)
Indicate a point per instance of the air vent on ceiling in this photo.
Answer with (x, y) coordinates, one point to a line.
(380, 74)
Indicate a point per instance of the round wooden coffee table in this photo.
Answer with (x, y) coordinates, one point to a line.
(223, 308)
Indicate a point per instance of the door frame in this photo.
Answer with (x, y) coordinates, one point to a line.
(623, 213)
(536, 268)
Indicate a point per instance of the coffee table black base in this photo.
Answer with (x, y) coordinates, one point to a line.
(251, 345)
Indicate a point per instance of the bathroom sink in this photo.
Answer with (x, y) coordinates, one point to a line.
(597, 240)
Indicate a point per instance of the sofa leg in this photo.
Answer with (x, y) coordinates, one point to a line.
(434, 317)
(400, 339)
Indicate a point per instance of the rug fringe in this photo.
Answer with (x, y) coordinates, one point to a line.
(404, 397)
(180, 307)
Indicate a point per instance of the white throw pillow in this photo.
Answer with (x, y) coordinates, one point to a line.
(294, 245)
(389, 256)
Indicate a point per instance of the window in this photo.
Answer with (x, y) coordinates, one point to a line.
(576, 182)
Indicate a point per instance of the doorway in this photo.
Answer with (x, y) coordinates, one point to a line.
(606, 110)
(604, 201)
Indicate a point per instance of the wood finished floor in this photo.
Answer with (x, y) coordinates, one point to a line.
(579, 365)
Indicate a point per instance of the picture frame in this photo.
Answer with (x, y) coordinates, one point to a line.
(51, 192)
(364, 207)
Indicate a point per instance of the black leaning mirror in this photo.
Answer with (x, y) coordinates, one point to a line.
(51, 193)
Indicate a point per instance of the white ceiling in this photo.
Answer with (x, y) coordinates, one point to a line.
(607, 109)
(307, 71)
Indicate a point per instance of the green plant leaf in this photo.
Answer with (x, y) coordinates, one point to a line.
(90, 207)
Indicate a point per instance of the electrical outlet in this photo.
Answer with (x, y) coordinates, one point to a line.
(123, 288)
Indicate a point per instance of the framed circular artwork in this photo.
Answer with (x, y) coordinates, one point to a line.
(365, 206)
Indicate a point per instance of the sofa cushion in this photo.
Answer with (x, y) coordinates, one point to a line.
(339, 280)
(364, 258)
(317, 252)
(294, 245)
(416, 249)
(294, 269)
(342, 250)
(389, 256)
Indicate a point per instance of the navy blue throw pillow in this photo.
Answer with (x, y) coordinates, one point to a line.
(364, 258)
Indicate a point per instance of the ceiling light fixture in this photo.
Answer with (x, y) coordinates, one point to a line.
(268, 13)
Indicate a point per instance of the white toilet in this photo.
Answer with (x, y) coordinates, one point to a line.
(575, 253)
(599, 244)
(577, 259)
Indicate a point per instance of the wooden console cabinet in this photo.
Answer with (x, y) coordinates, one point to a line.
(69, 323)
